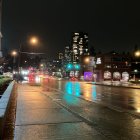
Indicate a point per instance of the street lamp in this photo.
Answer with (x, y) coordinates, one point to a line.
(14, 54)
(41, 65)
(136, 62)
(137, 53)
(32, 41)
(87, 60)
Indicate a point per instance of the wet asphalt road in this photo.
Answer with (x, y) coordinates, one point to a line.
(117, 98)
(111, 111)
(38, 117)
(57, 111)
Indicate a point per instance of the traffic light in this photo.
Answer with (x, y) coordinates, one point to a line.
(69, 66)
(73, 67)
(77, 66)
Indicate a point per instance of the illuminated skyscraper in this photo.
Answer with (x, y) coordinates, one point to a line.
(79, 45)
(67, 55)
(0, 27)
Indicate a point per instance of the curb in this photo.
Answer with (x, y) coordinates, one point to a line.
(4, 105)
(115, 86)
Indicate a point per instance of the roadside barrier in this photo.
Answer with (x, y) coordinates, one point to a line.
(4, 104)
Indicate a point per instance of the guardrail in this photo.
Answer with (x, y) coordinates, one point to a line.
(4, 104)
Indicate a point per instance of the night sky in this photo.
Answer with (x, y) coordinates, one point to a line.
(111, 24)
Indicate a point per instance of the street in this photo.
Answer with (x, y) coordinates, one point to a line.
(114, 111)
(117, 98)
(38, 117)
(60, 109)
(69, 70)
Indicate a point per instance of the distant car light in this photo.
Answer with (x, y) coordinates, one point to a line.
(73, 79)
(37, 79)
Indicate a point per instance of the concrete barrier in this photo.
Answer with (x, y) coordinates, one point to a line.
(4, 102)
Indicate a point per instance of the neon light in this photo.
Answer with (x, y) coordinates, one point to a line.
(88, 76)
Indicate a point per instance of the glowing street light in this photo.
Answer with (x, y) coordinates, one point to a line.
(34, 40)
(41, 65)
(14, 54)
(87, 60)
(137, 61)
(137, 53)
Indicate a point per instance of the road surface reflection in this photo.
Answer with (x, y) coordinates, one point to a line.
(122, 98)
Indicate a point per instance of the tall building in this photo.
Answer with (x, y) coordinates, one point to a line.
(79, 45)
(67, 54)
(61, 56)
(0, 27)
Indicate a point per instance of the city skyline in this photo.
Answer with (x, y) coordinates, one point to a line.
(110, 25)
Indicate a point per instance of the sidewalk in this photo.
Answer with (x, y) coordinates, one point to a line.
(118, 84)
(40, 118)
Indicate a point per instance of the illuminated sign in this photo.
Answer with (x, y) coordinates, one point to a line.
(117, 75)
(125, 76)
(99, 61)
(71, 73)
(107, 75)
(88, 76)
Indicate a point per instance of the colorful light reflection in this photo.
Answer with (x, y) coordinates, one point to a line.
(73, 88)
(94, 93)
(68, 87)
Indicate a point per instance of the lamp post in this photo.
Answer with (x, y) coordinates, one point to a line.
(14, 54)
(136, 63)
(86, 63)
(87, 60)
(90, 66)
(32, 41)
(19, 54)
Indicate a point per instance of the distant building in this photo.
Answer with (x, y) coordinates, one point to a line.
(67, 54)
(61, 56)
(79, 45)
(113, 66)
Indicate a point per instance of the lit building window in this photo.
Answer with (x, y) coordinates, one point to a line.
(76, 33)
(75, 51)
(117, 75)
(107, 75)
(98, 61)
(85, 36)
(75, 39)
(136, 70)
(107, 66)
(125, 76)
